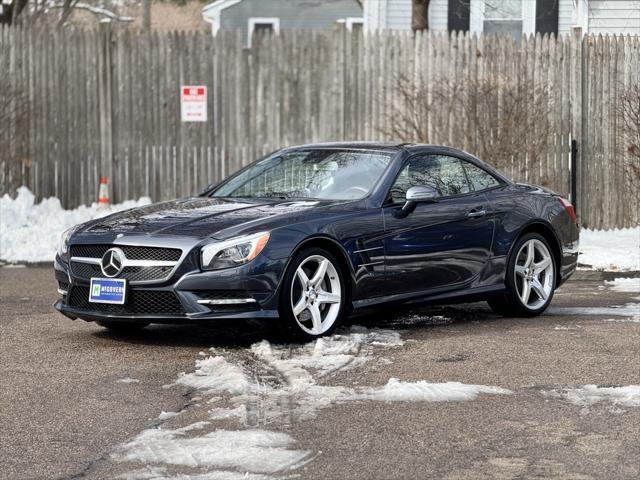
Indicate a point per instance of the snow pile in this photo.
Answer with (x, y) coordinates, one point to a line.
(630, 285)
(29, 231)
(611, 249)
(588, 395)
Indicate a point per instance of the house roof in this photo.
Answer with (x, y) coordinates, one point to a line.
(217, 6)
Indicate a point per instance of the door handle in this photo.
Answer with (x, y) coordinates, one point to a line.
(476, 213)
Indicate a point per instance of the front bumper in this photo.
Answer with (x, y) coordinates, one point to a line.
(188, 296)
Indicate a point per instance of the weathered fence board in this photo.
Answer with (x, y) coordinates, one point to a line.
(106, 102)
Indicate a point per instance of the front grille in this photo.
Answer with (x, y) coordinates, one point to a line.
(141, 302)
(132, 273)
(132, 253)
(63, 286)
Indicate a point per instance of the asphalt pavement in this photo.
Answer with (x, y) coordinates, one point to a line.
(73, 395)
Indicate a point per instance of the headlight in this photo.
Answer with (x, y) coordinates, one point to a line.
(234, 252)
(63, 245)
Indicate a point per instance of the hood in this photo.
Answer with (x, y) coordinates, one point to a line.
(200, 216)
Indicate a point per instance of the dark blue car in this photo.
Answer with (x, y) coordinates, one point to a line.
(311, 233)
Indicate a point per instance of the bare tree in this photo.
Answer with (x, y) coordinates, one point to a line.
(419, 15)
(628, 109)
(492, 116)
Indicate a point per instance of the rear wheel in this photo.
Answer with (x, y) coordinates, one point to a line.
(313, 296)
(530, 279)
(123, 327)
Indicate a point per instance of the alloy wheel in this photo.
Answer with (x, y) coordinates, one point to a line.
(316, 295)
(534, 274)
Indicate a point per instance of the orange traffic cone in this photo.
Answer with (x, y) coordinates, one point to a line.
(103, 193)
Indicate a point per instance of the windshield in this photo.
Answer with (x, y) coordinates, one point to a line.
(324, 174)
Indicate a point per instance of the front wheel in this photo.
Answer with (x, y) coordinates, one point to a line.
(530, 279)
(313, 294)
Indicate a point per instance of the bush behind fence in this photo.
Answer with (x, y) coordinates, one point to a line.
(75, 105)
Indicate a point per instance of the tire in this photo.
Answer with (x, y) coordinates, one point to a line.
(529, 290)
(312, 299)
(123, 327)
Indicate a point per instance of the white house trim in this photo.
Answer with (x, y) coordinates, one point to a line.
(253, 21)
(351, 21)
(211, 13)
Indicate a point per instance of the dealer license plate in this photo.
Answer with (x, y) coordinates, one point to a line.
(108, 290)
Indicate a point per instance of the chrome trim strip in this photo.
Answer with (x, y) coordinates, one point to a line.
(62, 292)
(127, 262)
(371, 263)
(227, 301)
(95, 261)
(367, 249)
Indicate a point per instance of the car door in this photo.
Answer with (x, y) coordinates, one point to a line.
(442, 243)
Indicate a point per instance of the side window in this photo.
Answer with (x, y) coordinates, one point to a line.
(479, 178)
(445, 174)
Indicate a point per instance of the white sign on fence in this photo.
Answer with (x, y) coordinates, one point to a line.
(193, 103)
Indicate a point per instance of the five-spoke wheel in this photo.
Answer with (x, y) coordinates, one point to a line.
(313, 294)
(530, 278)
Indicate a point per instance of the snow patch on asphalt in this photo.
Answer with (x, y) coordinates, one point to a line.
(421, 391)
(253, 451)
(128, 380)
(611, 249)
(215, 375)
(629, 310)
(30, 231)
(161, 473)
(167, 415)
(270, 384)
(589, 395)
(630, 285)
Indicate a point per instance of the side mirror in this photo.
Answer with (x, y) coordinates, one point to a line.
(421, 194)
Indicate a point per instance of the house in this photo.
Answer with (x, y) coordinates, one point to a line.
(275, 15)
(511, 16)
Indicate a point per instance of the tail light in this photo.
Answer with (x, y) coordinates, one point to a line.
(569, 208)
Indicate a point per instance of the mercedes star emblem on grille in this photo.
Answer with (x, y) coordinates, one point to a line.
(112, 262)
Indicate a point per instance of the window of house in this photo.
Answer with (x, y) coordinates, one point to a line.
(262, 24)
(503, 16)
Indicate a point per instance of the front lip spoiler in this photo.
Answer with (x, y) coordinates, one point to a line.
(73, 314)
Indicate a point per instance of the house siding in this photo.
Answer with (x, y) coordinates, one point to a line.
(566, 20)
(614, 16)
(438, 10)
(293, 14)
(605, 16)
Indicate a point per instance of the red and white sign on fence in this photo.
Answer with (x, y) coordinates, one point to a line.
(193, 103)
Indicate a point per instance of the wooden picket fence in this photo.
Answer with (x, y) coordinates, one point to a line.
(75, 105)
